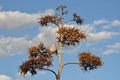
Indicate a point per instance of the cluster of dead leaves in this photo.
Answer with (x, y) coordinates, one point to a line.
(35, 63)
(38, 59)
(89, 61)
(38, 50)
(46, 19)
(61, 7)
(50, 19)
(77, 19)
(70, 36)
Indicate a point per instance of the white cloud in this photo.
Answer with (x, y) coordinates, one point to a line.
(115, 48)
(110, 25)
(47, 35)
(12, 20)
(92, 35)
(13, 45)
(98, 22)
(116, 23)
(4, 77)
(106, 27)
(103, 35)
(111, 51)
(17, 19)
(86, 27)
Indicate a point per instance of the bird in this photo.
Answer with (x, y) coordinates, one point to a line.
(53, 49)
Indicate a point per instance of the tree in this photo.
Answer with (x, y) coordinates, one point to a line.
(40, 57)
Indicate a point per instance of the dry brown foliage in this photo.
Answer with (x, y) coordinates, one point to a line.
(37, 63)
(70, 36)
(41, 58)
(61, 7)
(46, 19)
(28, 66)
(50, 19)
(57, 19)
(89, 61)
(77, 19)
(38, 59)
(35, 51)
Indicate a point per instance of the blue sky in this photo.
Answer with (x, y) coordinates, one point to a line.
(19, 30)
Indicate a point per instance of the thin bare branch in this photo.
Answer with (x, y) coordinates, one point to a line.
(68, 63)
(56, 24)
(50, 71)
(68, 21)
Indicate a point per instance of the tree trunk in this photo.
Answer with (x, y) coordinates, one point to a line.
(60, 60)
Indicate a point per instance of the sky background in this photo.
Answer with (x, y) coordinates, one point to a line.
(19, 30)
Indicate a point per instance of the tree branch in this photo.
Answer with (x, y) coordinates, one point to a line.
(60, 59)
(68, 21)
(51, 71)
(56, 24)
(70, 63)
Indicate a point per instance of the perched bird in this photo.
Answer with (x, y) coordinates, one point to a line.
(53, 49)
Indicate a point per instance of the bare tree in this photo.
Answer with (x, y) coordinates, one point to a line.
(40, 57)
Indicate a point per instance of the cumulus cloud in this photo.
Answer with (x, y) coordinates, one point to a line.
(13, 45)
(98, 22)
(103, 35)
(111, 51)
(86, 27)
(92, 35)
(106, 27)
(115, 48)
(110, 25)
(47, 35)
(4, 77)
(18, 45)
(18, 19)
(116, 23)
